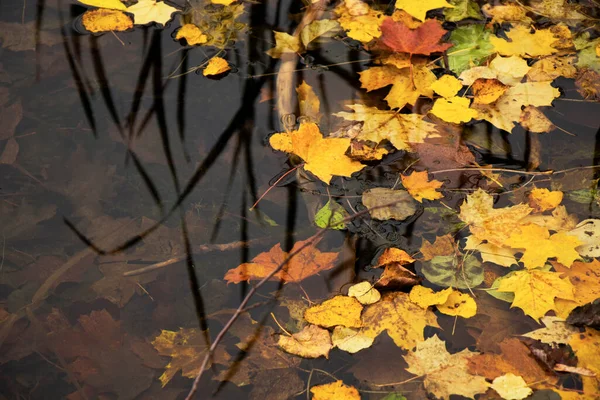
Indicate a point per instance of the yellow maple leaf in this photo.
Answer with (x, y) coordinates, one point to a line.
(507, 13)
(104, 20)
(454, 109)
(216, 66)
(587, 347)
(192, 34)
(308, 102)
(524, 43)
(359, 21)
(335, 391)
(418, 9)
(425, 297)
(486, 91)
(446, 86)
(324, 157)
(539, 246)
(420, 187)
(543, 199)
(406, 89)
(400, 129)
(285, 43)
(488, 223)
(310, 342)
(536, 290)
(444, 374)
(403, 320)
(501, 255)
(340, 310)
(585, 277)
(449, 301)
(148, 11)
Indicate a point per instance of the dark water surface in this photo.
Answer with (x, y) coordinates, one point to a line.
(72, 325)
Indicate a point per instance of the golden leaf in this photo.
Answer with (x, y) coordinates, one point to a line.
(459, 304)
(359, 21)
(309, 103)
(403, 320)
(310, 342)
(110, 4)
(334, 391)
(446, 86)
(285, 43)
(507, 13)
(317, 29)
(425, 297)
(420, 187)
(418, 9)
(454, 109)
(324, 157)
(341, 310)
(535, 121)
(486, 91)
(394, 255)
(543, 199)
(535, 290)
(538, 246)
(384, 204)
(216, 66)
(585, 277)
(192, 34)
(103, 20)
(524, 43)
(587, 347)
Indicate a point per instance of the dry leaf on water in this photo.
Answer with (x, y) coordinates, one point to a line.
(310, 342)
(308, 262)
(324, 157)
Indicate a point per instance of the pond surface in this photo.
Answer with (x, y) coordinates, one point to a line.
(117, 154)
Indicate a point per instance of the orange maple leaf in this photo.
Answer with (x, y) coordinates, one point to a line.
(420, 187)
(425, 39)
(309, 261)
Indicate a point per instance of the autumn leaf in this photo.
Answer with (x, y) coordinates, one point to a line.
(103, 20)
(425, 297)
(359, 21)
(420, 187)
(350, 340)
(462, 272)
(403, 320)
(364, 292)
(521, 42)
(588, 233)
(331, 216)
(511, 387)
(454, 109)
(543, 199)
(423, 40)
(309, 261)
(148, 11)
(310, 342)
(442, 246)
(401, 130)
(340, 310)
(334, 391)
(110, 4)
(552, 67)
(489, 223)
(446, 86)
(324, 157)
(192, 34)
(418, 9)
(556, 330)
(471, 47)
(486, 91)
(585, 277)
(394, 255)
(317, 29)
(444, 374)
(448, 301)
(586, 346)
(462, 9)
(216, 66)
(536, 290)
(507, 13)
(308, 102)
(285, 43)
(538, 246)
(501, 255)
(187, 349)
(384, 204)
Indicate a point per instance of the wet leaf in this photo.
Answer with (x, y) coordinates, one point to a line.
(524, 43)
(340, 310)
(586, 346)
(585, 277)
(335, 391)
(418, 9)
(317, 29)
(395, 276)
(586, 315)
(403, 320)
(423, 40)
(533, 120)
(308, 262)
(556, 330)
(454, 109)
(425, 297)
(309, 103)
(459, 304)
(359, 21)
(331, 216)
(420, 187)
(541, 199)
(394, 255)
(350, 340)
(446, 86)
(588, 233)
(103, 20)
(443, 246)
(450, 271)
(501, 255)
(507, 13)
(462, 9)
(535, 291)
(149, 11)
(444, 374)
(471, 47)
(187, 349)
(511, 387)
(389, 204)
(324, 157)
(486, 91)
(216, 66)
(364, 292)
(192, 34)
(539, 246)
(402, 130)
(310, 342)
(110, 4)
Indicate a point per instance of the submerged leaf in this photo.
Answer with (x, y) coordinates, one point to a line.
(389, 204)
(450, 271)
(331, 215)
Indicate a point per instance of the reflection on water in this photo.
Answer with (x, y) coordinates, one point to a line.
(115, 158)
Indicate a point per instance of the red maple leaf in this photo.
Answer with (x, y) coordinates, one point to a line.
(425, 39)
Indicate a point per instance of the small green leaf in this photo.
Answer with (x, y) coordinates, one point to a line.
(463, 9)
(471, 46)
(331, 216)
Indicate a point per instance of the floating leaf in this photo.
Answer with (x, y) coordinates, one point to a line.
(110, 4)
(450, 271)
(359, 21)
(364, 292)
(331, 215)
(340, 310)
(389, 204)
(524, 43)
(350, 340)
(216, 66)
(317, 29)
(310, 342)
(471, 47)
(423, 40)
(556, 330)
(420, 187)
(447, 86)
(588, 233)
(418, 9)
(543, 199)
(285, 43)
(192, 34)
(148, 11)
(334, 391)
(394, 255)
(511, 387)
(308, 102)
(462, 9)
(459, 304)
(103, 20)
(454, 109)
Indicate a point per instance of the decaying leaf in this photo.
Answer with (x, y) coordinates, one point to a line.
(585, 278)
(384, 204)
(309, 261)
(340, 310)
(444, 374)
(556, 330)
(443, 246)
(310, 342)
(452, 271)
(588, 233)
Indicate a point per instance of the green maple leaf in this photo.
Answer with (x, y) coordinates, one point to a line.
(471, 46)
(463, 9)
(586, 55)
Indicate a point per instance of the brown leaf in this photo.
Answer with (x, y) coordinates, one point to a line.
(422, 40)
(443, 246)
(395, 276)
